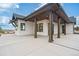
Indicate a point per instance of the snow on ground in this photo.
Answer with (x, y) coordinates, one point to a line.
(12, 45)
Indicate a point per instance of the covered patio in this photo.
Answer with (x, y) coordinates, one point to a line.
(52, 12)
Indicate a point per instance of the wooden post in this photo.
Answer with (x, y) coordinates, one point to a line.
(50, 26)
(59, 27)
(64, 28)
(35, 32)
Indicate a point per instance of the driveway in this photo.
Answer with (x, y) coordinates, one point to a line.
(12, 45)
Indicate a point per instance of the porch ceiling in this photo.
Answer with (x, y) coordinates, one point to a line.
(43, 13)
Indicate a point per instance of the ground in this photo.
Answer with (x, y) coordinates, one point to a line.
(12, 45)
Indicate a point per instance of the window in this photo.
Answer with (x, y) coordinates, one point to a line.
(40, 27)
(22, 25)
(63, 28)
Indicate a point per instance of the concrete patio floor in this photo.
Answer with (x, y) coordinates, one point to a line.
(12, 45)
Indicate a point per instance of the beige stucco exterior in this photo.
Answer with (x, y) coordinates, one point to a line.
(69, 28)
(29, 28)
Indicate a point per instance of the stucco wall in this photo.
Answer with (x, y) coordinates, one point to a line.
(45, 27)
(28, 28)
(69, 28)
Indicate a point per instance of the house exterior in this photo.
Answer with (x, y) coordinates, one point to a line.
(48, 20)
(73, 19)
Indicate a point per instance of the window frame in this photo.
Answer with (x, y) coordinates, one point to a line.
(21, 26)
(40, 27)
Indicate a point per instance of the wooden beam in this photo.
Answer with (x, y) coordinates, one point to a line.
(50, 26)
(64, 28)
(59, 27)
(35, 32)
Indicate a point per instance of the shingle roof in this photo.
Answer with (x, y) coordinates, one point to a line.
(18, 16)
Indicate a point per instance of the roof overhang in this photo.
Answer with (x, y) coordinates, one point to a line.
(43, 12)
